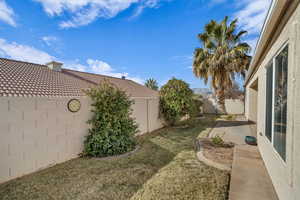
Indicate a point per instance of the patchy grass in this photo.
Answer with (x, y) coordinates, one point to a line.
(165, 167)
(229, 117)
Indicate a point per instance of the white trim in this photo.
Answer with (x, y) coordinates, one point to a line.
(262, 32)
(285, 44)
(270, 11)
(274, 81)
(273, 99)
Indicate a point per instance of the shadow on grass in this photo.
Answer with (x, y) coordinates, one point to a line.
(224, 123)
(120, 178)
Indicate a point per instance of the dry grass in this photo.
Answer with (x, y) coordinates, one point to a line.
(165, 167)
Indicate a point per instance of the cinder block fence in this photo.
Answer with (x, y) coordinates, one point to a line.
(38, 132)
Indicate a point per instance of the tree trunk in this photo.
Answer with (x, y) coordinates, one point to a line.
(221, 100)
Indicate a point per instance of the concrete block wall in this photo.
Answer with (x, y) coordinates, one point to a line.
(39, 132)
(146, 114)
(233, 106)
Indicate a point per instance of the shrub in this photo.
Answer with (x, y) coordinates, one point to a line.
(230, 117)
(217, 141)
(111, 127)
(176, 101)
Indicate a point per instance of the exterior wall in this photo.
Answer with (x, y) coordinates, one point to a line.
(146, 114)
(38, 132)
(233, 106)
(209, 106)
(251, 104)
(285, 175)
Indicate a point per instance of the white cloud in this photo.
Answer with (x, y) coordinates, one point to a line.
(101, 67)
(252, 42)
(49, 40)
(84, 12)
(145, 4)
(7, 14)
(74, 65)
(23, 52)
(252, 14)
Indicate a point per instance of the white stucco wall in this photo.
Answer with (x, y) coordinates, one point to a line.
(37, 132)
(285, 175)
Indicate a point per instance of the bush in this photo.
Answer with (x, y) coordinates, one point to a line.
(112, 129)
(176, 101)
(217, 141)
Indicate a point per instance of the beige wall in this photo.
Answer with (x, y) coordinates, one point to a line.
(209, 106)
(38, 132)
(285, 175)
(233, 106)
(146, 114)
(252, 101)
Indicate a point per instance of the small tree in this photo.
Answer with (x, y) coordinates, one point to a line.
(152, 84)
(176, 101)
(112, 128)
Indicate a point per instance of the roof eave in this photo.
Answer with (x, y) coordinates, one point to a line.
(272, 20)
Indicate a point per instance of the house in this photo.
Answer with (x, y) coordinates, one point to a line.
(273, 96)
(43, 114)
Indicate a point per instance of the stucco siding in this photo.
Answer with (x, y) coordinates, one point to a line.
(37, 132)
(285, 175)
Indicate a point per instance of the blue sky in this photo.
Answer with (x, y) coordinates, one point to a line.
(136, 38)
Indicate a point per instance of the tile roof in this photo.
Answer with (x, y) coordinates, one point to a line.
(19, 78)
(132, 88)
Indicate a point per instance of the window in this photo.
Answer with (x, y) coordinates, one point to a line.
(269, 97)
(276, 102)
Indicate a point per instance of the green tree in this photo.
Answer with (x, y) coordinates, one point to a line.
(152, 84)
(176, 101)
(111, 127)
(223, 56)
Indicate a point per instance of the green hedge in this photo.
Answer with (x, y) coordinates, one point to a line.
(176, 101)
(111, 127)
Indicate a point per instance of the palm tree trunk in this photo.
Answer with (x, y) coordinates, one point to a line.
(221, 100)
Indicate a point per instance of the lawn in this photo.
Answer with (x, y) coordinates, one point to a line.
(165, 167)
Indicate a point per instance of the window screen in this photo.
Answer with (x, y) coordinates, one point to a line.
(280, 102)
(269, 97)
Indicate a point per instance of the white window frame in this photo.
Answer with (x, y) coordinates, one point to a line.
(273, 97)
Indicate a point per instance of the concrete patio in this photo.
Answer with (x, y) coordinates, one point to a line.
(249, 177)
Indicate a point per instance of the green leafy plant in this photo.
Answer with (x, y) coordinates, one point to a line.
(111, 127)
(217, 141)
(230, 117)
(151, 83)
(176, 101)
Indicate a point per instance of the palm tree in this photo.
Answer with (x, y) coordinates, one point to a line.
(152, 84)
(222, 57)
